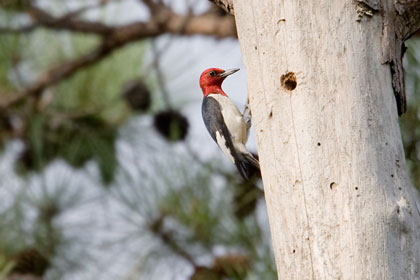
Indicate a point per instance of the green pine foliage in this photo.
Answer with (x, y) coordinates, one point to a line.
(10, 56)
(14, 5)
(190, 211)
(82, 121)
(98, 88)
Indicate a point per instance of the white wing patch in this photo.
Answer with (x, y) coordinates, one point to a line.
(247, 117)
(221, 141)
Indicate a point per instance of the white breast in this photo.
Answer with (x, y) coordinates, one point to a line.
(233, 119)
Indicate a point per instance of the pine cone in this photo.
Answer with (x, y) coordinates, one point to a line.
(30, 261)
(171, 125)
(137, 95)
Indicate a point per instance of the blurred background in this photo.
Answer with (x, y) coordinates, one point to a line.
(106, 168)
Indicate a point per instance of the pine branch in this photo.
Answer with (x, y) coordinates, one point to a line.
(156, 227)
(164, 22)
(67, 22)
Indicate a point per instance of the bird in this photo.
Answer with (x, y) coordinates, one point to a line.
(224, 122)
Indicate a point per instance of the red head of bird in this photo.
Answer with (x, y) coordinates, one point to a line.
(211, 80)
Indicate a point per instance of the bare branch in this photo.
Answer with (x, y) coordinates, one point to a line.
(116, 38)
(156, 227)
(83, 9)
(154, 7)
(67, 22)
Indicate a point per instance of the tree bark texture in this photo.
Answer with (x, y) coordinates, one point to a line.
(338, 192)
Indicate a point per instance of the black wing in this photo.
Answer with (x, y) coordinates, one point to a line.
(214, 121)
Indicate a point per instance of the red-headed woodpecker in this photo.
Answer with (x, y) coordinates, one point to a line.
(225, 122)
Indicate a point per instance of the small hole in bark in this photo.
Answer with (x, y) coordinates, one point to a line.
(256, 48)
(392, 175)
(271, 115)
(356, 188)
(332, 185)
(294, 251)
(319, 144)
(288, 81)
(399, 188)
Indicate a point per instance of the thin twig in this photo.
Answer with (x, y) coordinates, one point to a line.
(156, 227)
(68, 21)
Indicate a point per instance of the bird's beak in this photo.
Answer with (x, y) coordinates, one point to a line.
(228, 72)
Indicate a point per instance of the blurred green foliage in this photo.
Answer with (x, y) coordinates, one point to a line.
(191, 215)
(76, 141)
(14, 5)
(82, 120)
(98, 88)
(410, 121)
(6, 266)
(10, 53)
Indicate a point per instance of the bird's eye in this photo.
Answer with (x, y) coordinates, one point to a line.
(212, 73)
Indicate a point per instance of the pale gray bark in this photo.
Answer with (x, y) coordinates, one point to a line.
(338, 193)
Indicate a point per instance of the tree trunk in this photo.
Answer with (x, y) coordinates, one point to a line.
(338, 192)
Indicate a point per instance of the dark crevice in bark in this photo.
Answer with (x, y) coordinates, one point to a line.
(401, 21)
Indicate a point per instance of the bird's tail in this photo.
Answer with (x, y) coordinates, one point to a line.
(248, 166)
